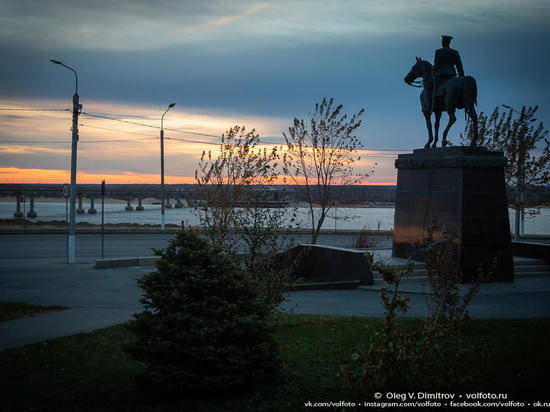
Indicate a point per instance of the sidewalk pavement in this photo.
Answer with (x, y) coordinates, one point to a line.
(100, 298)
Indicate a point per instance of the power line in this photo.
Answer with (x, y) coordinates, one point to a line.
(44, 116)
(119, 120)
(205, 134)
(32, 141)
(33, 110)
(169, 129)
(149, 138)
(148, 125)
(192, 141)
(80, 141)
(120, 131)
(117, 140)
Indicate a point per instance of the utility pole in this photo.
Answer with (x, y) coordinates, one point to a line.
(77, 107)
(162, 166)
(102, 218)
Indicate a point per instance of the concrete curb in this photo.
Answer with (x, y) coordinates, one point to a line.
(348, 284)
(127, 262)
(150, 261)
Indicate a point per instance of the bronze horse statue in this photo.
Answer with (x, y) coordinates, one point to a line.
(455, 93)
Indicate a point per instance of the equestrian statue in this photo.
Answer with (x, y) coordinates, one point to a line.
(444, 91)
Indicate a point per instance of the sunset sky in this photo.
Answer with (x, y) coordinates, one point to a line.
(251, 63)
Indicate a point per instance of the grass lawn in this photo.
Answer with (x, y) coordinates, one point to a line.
(90, 372)
(10, 311)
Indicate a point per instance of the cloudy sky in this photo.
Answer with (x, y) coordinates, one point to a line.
(252, 63)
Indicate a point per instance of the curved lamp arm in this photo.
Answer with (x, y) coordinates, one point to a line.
(70, 68)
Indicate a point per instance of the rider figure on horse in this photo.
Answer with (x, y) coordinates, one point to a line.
(452, 92)
(444, 66)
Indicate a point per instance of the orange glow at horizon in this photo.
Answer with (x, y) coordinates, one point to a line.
(37, 146)
(52, 176)
(15, 175)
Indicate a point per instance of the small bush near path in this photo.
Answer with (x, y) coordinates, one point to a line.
(91, 372)
(16, 310)
(435, 356)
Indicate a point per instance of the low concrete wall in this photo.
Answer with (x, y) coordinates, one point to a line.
(335, 264)
(119, 263)
(532, 250)
(351, 284)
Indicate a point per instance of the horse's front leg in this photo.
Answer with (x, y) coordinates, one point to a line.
(452, 120)
(436, 127)
(428, 117)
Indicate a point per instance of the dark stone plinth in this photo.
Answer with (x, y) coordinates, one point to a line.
(463, 189)
(319, 262)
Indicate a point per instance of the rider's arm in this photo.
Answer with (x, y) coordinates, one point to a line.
(459, 67)
(436, 61)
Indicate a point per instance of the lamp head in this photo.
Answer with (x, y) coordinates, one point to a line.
(55, 61)
(171, 105)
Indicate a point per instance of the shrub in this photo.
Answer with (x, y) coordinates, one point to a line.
(204, 327)
(434, 356)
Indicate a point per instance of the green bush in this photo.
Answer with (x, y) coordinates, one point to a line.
(204, 327)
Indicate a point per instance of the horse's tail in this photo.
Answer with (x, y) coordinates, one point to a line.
(470, 92)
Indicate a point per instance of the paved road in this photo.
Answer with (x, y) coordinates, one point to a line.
(32, 270)
(16, 247)
(88, 246)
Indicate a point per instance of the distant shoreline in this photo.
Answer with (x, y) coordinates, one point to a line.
(154, 201)
(151, 201)
(85, 200)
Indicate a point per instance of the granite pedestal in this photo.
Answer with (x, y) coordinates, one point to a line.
(463, 190)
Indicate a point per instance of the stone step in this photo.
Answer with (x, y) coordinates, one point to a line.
(528, 261)
(532, 268)
(524, 275)
(529, 271)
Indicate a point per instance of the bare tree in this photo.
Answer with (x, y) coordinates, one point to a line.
(232, 179)
(234, 189)
(322, 152)
(523, 140)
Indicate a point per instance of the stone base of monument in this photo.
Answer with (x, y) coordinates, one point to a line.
(463, 190)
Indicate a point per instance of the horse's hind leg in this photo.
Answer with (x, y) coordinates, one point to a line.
(428, 117)
(436, 126)
(452, 120)
(473, 117)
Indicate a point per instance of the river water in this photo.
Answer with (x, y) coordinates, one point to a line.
(346, 218)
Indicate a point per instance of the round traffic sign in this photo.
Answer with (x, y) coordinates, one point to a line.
(66, 190)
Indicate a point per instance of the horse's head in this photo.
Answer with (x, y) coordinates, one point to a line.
(421, 68)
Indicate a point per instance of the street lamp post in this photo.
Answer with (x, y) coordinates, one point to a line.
(162, 166)
(77, 107)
